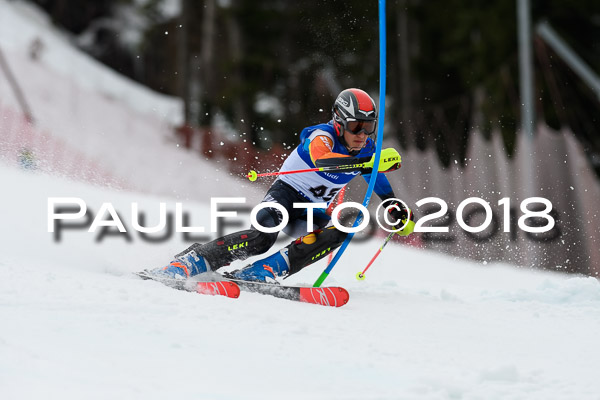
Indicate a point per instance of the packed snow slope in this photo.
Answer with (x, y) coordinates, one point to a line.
(76, 324)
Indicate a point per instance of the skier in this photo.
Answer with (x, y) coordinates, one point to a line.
(342, 141)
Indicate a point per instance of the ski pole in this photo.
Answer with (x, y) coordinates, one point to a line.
(253, 175)
(391, 161)
(361, 275)
(339, 199)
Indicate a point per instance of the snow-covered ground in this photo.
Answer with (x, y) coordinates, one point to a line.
(76, 323)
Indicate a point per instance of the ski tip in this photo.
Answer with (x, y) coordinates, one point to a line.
(327, 296)
(344, 296)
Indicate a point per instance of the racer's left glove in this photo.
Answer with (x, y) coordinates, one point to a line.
(401, 216)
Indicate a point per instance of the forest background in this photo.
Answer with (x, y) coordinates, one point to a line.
(272, 67)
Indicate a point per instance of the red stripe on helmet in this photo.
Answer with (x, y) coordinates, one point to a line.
(364, 100)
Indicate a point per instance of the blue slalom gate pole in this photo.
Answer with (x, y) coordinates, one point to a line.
(367, 199)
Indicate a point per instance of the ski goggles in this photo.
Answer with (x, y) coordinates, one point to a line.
(356, 127)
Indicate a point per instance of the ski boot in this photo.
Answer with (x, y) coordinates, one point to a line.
(184, 266)
(265, 270)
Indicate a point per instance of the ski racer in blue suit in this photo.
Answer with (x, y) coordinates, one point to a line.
(345, 140)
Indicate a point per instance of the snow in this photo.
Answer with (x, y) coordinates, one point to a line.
(76, 324)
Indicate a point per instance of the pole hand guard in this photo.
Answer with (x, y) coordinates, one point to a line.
(390, 160)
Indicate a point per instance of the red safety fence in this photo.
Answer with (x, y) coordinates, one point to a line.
(24, 144)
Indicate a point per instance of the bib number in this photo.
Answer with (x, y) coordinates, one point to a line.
(325, 193)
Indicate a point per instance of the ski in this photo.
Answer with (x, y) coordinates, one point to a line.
(214, 288)
(333, 296)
